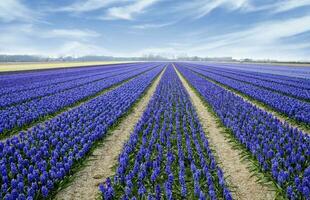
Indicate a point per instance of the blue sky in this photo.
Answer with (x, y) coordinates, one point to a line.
(262, 29)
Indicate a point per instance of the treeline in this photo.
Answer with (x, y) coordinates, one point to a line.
(150, 57)
(33, 58)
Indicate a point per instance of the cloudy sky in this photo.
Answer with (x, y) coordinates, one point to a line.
(237, 28)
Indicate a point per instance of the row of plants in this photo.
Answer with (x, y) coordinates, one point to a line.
(167, 155)
(291, 107)
(34, 163)
(17, 97)
(282, 152)
(25, 113)
(274, 74)
(16, 81)
(286, 89)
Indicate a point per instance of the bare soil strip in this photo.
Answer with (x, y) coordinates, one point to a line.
(235, 169)
(281, 117)
(27, 66)
(100, 163)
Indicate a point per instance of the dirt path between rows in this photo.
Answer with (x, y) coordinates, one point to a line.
(235, 170)
(260, 105)
(102, 160)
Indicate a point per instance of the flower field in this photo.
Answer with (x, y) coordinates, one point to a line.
(51, 122)
(35, 103)
(293, 107)
(168, 154)
(281, 151)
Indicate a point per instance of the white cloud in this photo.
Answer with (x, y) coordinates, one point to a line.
(279, 6)
(200, 8)
(151, 26)
(127, 12)
(263, 33)
(14, 10)
(70, 33)
(88, 5)
(284, 6)
(267, 39)
(66, 48)
(263, 40)
(31, 31)
(28, 39)
(77, 48)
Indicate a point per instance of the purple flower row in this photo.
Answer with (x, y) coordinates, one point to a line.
(167, 155)
(284, 80)
(298, 74)
(55, 77)
(27, 112)
(50, 76)
(13, 98)
(291, 107)
(33, 162)
(294, 91)
(282, 152)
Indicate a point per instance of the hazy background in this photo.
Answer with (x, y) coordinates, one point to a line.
(261, 29)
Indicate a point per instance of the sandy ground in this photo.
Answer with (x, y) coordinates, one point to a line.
(100, 163)
(236, 170)
(7, 67)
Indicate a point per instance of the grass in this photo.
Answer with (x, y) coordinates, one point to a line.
(25, 66)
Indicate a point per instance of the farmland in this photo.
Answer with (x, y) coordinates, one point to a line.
(22, 66)
(155, 130)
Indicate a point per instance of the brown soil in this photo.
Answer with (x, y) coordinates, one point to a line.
(100, 163)
(235, 169)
